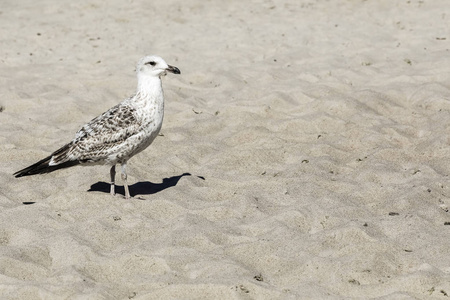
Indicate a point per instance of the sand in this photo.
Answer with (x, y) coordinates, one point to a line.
(304, 152)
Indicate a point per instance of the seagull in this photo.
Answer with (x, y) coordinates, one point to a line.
(119, 133)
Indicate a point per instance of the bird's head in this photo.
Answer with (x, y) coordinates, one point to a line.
(153, 65)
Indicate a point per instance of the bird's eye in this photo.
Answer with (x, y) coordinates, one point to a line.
(150, 63)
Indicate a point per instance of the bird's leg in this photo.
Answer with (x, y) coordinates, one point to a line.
(124, 178)
(113, 179)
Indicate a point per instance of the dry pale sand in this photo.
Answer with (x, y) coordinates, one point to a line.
(315, 134)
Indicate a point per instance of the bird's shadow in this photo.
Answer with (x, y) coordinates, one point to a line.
(140, 188)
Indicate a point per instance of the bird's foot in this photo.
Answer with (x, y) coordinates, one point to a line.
(131, 198)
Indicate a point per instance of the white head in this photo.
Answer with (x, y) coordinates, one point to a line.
(155, 66)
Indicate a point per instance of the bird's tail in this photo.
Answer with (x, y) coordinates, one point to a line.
(43, 166)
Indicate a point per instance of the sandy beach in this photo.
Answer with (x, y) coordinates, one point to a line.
(304, 152)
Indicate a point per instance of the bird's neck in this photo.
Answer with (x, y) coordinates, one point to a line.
(150, 87)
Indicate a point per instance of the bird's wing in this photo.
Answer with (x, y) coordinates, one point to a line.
(101, 136)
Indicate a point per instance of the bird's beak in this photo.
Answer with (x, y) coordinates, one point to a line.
(173, 70)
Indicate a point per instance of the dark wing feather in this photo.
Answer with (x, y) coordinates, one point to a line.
(43, 166)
